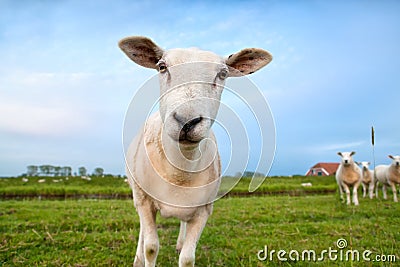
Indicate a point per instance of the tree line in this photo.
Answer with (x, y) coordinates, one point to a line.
(50, 170)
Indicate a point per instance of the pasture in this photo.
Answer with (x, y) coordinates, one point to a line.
(111, 187)
(90, 232)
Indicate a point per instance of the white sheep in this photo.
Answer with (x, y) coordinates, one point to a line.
(41, 180)
(388, 175)
(173, 165)
(368, 180)
(87, 178)
(25, 180)
(348, 175)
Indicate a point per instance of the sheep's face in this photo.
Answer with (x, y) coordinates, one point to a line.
(191, 84)
(365, 165)
(395, 161)
(347, 158)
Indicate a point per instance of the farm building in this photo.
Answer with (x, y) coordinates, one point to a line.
(323, 169)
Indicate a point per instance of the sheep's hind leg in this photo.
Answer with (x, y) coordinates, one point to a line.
(371, 190)
(393, 186)
(384, 191)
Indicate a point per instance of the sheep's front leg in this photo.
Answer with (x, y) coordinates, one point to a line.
(181, 237)
(355, 194)
(194, 229)
(347, 190)
(139, 257)
(364, 186)
(341, 192)
(147, 251)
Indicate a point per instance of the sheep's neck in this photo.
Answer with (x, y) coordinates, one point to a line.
(394, 173)
(367, 176)
(182, 157)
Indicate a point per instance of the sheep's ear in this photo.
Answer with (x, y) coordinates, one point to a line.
(391, 157)
(141, 50)
(340, 154)
(247, 61)
(352, 153)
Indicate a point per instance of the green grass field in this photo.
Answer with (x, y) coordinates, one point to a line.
(104, 232)
(110, 187)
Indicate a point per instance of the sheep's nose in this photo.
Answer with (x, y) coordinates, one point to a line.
(191, 124)
(346, 161)
(186, 127)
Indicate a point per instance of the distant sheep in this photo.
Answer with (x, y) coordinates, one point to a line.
(348, 175)
(388, 175)
(306, 184)
(25, 180)
(41, 180)
(368, 180)
(87, 178)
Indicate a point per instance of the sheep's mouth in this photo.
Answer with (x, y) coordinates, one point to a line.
(187, 141)
(188, 138)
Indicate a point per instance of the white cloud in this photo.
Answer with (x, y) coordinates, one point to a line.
(34, 119)
(337, 146)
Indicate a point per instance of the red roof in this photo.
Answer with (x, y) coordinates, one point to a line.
(329, 167)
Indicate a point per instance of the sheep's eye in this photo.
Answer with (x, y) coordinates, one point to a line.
(223, 74)
(162, 67)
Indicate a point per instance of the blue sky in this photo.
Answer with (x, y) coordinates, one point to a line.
(65, 85)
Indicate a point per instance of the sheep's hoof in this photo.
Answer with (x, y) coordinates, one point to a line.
(187, 262)
(138, 262)
(178, 248)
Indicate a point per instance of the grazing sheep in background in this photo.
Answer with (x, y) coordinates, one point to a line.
(306, 184)
(41, 181)
(348, 175)
(368, 180)
(388, 175)
(87, 178)
(173, 165)
(25, 180)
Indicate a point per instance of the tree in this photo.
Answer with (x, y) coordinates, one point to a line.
(98, 172)
(66, 171)
(57, 171)
(32, 170)
(46, 170)
(82, 171)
